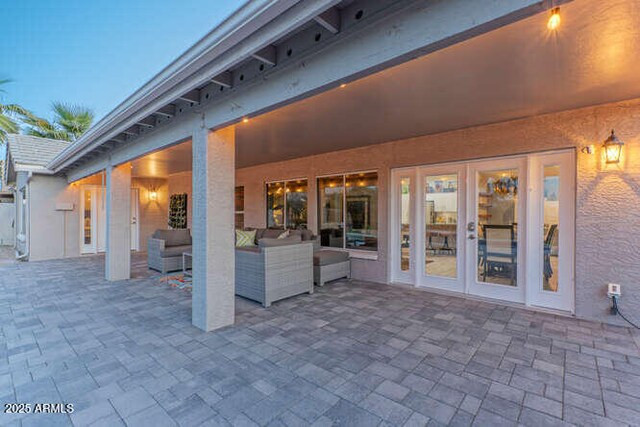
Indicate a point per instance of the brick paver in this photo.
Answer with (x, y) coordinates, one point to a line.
(353, 353)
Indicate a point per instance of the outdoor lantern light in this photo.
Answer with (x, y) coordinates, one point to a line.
(554, 20)
(612, 148)
(153, 195)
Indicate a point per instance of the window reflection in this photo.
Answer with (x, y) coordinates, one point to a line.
(330, 218)
(362, 211)
(275, 205)
(296, 204)
(348, 211)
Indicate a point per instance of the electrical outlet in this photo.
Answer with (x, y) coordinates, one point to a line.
(613, 290)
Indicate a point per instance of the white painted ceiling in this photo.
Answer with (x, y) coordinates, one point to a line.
(517, 71)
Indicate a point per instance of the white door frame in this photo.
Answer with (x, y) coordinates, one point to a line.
(564, 297)
(530, 222)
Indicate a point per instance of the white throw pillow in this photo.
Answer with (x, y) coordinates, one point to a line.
(284, 235)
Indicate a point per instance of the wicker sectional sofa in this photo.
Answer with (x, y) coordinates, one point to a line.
(268, 273)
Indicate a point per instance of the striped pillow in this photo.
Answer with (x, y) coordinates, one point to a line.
(245, 238)
(284, 235)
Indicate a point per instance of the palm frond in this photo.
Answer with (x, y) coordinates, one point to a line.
(74, 119)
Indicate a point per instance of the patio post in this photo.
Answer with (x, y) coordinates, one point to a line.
(213, 297)
(118, 198)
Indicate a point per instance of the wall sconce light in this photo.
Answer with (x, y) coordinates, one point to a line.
(554, 19)
(612, 148)
(153, 195)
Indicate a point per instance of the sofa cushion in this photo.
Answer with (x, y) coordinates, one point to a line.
(245, 238)
(271, 233)
(325, 257)
(174, 251)
(267, 242)
(306, 235)
(178, 237)
(248, 249)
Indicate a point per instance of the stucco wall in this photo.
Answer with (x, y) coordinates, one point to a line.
(608, 198)
(7, 224)
(55, 234)
(52, 233)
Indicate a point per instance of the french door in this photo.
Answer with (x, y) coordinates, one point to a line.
(500, 228)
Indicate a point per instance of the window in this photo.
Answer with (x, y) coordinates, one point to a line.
(239, 207)
(287, 204)
(348, 211)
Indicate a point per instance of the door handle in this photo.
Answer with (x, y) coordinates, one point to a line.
(472, 236)
(471, 226)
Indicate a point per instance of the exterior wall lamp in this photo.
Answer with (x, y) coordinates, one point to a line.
(153, 195)
(612, 149)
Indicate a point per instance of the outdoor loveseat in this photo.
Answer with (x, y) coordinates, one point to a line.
(165, 249)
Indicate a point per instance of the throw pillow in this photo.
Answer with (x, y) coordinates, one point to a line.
(284, 235)
(245, 238)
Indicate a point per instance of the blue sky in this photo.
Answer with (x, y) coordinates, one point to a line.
(95, 52)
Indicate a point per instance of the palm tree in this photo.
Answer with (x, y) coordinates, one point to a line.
(69, 122)
(8, 116)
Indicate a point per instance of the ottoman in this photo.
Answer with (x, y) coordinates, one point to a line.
(330, 265)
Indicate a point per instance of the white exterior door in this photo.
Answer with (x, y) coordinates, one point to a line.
(496, 229)
(93, 221)
(441, 213)
(500, 229)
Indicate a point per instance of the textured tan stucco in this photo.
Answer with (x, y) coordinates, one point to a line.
(52, 233)
(608, 198)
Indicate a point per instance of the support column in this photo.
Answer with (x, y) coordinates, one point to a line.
(213, 296)
(118, 198)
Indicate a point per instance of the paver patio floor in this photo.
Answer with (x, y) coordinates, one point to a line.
(352, 353)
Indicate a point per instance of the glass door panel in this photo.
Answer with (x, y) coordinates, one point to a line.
(87, 217)
(88, 220)
(550, 217)
(497, 225)
(441, 224)
(405, 224)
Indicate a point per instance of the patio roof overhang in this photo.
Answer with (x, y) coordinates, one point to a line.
(272, 53)
(518, 71)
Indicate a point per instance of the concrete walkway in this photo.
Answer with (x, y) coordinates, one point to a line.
(353, 354)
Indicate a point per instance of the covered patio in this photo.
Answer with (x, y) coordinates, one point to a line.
(353, 353)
